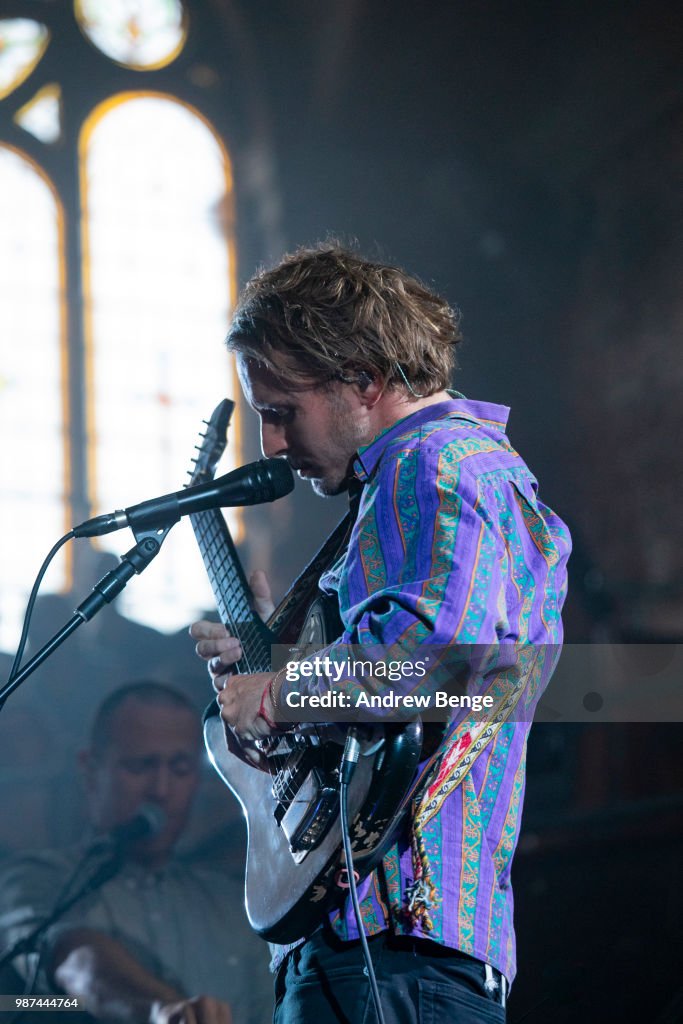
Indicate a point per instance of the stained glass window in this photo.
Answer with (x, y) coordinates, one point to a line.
(41, 116)
(22, 43)
(157, 306)
(142, 34)
(152, 200)
(33, 489)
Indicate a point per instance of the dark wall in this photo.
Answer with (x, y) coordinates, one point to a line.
(522, 158)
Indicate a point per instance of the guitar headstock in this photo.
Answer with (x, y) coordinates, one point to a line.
(212, 443)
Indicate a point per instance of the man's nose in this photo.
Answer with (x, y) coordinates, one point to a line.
(159, 782)
(273, 440)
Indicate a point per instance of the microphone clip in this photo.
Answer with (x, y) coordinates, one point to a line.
(132, 562)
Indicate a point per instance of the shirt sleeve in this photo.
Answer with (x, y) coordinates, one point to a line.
(29, 885)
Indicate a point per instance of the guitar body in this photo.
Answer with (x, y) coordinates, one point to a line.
(295, 869)
(287, 891)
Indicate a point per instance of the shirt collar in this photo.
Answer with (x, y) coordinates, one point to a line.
(488, 415)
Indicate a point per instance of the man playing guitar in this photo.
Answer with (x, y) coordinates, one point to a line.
(348, 362)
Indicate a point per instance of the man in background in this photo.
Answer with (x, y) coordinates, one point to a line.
(162, 941)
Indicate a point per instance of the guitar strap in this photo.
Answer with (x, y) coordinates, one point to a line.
(288, 618)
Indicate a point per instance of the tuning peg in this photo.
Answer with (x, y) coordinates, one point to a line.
(208, 423)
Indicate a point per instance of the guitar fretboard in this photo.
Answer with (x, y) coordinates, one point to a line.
(231, 590)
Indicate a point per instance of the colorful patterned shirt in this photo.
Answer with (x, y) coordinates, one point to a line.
(452, 546)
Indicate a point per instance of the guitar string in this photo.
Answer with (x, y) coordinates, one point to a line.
(209, 534)
(211, 530)
(258, 659)
(255, 655)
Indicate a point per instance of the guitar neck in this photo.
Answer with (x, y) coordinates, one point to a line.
(231, 590)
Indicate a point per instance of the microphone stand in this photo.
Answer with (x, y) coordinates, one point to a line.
(105, 590)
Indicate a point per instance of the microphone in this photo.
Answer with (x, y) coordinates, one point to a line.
(148, 822)
(265, 480)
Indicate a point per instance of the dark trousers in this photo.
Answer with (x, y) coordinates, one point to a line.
(420, 982)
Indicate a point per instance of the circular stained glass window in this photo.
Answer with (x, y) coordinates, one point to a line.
(141, 34)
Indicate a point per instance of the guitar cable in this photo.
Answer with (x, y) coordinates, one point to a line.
(16, 664)
(348, 766)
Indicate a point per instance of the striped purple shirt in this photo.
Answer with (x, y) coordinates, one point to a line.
(452, 546)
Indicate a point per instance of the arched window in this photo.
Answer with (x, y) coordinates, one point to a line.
(157, 298)
(33, 379)
(127, 196)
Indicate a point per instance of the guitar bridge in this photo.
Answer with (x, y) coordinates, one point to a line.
(290, 776)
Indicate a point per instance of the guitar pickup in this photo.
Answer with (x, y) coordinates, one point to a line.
(309, 815)
(320, 816)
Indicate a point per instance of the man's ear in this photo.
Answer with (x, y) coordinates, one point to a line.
(370, 388)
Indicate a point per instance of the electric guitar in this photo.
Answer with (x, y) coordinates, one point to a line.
(295, 868)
